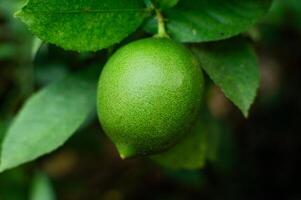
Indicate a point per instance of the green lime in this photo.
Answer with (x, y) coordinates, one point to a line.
(149, 95)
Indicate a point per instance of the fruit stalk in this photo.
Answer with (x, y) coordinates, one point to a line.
(161, 24)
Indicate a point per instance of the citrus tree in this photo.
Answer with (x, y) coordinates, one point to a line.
(150, 57)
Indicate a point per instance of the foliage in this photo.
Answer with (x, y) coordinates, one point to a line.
(83, 25)
(232, 65)
(41, 188)
(51, 115)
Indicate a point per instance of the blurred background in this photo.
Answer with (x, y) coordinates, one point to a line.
(256, 158)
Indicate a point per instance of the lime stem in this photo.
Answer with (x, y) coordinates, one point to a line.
(160, 19)
(161, 24)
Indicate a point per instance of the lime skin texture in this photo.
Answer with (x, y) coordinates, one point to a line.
(149, 95)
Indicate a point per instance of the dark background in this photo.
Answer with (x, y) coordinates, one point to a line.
(259, 157)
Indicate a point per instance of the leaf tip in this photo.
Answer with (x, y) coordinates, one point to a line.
(246, 113)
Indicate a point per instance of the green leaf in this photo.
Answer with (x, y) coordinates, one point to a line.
(190, 153)
(210, 20)
(167, 3)
(232, 65)
(220, 146)
(88, 25)
(48, 119)
(42, 188)
(214, 139)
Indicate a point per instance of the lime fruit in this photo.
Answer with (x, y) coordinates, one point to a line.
(149, 95)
